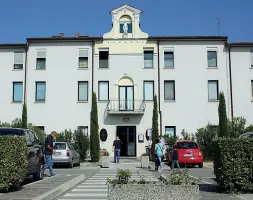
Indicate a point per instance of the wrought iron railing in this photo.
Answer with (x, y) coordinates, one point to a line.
(126, 105)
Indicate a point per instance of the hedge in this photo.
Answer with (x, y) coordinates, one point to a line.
(233, 164)
(13, 161)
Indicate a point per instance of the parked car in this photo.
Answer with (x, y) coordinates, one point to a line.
(65, 153)
(36, 153)
(189, 153)
(246, 135)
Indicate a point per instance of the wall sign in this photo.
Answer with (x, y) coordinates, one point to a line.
(141, 138)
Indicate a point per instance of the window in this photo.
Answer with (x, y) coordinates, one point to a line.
(84, 129)
(83, 58)
(148, 90)
(103, 135)
(148, 59)
(170, 130)
(17, 92)
(213, 90)
(251, 57)
(168, 59)
(18, 60)
(212, 58)
(41, 59)
(40, 91)
(252, 89)
(169, 90)
(104, 59)
(129, 28)
(83, 91)
(103, 90)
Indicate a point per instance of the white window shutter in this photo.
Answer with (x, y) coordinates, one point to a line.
(83, 52)
(18, 57)
(41, 54)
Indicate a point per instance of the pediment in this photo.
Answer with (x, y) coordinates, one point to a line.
(126, 8)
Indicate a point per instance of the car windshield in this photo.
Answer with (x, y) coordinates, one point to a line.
(59, 146)
(11, 132)
(187, 145)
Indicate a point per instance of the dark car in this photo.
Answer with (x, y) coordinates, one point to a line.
(35, 156)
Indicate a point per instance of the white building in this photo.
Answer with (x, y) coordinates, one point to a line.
(126, 68)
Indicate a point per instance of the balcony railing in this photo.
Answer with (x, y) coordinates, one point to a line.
(126, 106)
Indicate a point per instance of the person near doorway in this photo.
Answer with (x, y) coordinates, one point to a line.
(116, 149)
(159, 154)
(49, 151)
(175, 158)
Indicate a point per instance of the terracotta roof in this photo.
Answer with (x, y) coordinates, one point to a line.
(223, 38)
(13, 46)
(240, 44)
(59, 38)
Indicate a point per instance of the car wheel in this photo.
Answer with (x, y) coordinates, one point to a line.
(201, 165)
(71, 165)
(39, 175)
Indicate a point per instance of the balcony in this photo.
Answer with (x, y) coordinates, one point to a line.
(136, 107)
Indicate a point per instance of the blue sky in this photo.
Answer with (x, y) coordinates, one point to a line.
(20, 19)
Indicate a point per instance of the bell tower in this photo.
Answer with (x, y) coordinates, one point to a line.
(125, 23)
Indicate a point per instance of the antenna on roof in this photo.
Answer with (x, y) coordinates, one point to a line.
(219, 20)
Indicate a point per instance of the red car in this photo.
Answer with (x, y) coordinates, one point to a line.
(189, 153)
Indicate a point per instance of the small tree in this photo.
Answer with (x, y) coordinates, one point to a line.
(237, 126)
(94, 137)
(223, 120)
(24, 116)
(155, 131)
(188, 136)
(81, 143)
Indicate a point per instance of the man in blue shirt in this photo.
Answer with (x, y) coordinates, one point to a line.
(116, 149)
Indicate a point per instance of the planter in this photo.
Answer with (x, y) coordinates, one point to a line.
(102, 152)
(105, 161)
(153, 192)
(144, 161)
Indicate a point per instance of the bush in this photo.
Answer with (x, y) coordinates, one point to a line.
(65, 136)
(236, 126)
(13, 162)
(205, 136)
(81, 143)
(188, 136)
(223, 120)
(233, 164)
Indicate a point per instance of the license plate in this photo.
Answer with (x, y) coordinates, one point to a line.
(188, 155)
(58, 153)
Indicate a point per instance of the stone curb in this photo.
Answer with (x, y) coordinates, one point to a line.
(162, 177)
(56, 192)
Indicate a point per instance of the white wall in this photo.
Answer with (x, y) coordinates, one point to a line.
(9, 110)
(191, 108)
(131, 65)
(242, 74)
(61, 109)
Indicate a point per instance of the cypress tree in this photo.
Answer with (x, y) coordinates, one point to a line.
(94, 137)
(24, 116)
(223, 120)
(155, 131)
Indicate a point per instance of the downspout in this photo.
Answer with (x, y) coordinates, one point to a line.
(26, 56)
(230, 78)
(159, 93)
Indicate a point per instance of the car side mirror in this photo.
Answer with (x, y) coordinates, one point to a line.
(29, 144)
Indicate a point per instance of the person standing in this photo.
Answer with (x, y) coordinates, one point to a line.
(49, 151)
(159, 153)
(175, 158)
(116, 149)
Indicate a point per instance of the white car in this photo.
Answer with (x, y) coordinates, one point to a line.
(246, 135)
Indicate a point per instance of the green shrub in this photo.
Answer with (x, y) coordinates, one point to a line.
(223, 120)
(13, 161)
(188, 136)
(155, 131)
(81, 143)
(233, 164)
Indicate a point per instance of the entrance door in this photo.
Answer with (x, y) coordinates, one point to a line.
(126, 98)
(127, 135)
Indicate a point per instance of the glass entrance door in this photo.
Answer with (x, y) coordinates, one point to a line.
(126, 98)
(127, 136)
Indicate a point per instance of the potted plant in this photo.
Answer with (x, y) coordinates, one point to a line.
(145, 160)
(101, 153)
(105, 159)
(179, 185)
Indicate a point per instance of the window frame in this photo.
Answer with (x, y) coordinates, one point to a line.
(173, 59)
(251, 90)
(174, 127)
(148, 50)
(13, 91)
(153, 88)
(108, 90)
(251, 58)
(217, 88)
(216, 58)
(36, 85)
(174, 90)
(99, 58)
(18, 66)
(79, 91)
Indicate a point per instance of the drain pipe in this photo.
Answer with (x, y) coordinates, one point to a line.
(159, 93)
(25, 80)
(230, 75)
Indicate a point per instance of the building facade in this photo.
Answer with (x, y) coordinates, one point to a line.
(126, 68)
